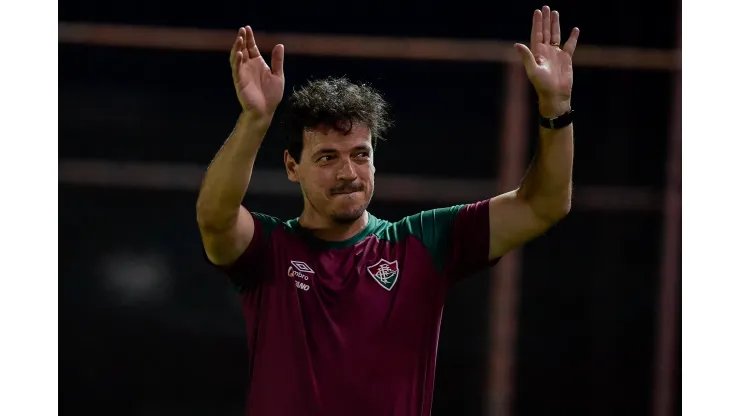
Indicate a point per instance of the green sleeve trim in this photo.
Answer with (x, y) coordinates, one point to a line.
(268, 222)
(432, 228)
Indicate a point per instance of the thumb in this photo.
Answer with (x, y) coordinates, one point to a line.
(527, 57)
(278, 57)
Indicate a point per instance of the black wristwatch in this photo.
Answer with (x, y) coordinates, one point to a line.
(558, 122)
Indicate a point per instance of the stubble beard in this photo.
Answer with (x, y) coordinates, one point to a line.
(346, 217)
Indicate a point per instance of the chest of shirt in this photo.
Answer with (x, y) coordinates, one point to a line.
(372, 282)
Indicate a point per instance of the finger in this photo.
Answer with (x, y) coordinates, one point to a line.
(235, 65)
(278, 57)
(527, 58)
(251, 44)
(238, 45)
(570, 45)
(555, 27)
(546, 25)
(536, 36)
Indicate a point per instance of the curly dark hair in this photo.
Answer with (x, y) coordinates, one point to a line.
(337, 103)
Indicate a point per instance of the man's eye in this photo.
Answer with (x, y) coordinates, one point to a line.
(324, 158)
(364, 155)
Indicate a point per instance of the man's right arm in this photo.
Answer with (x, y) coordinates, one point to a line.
(225, 225)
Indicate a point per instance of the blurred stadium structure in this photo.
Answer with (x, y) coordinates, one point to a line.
(582, 321)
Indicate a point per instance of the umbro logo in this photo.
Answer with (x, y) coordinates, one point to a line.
(300, 271)
(301, 266)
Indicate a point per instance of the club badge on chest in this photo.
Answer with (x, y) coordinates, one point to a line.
(385, 273)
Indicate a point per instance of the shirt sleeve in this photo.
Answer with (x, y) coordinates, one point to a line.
(456, 237)
(249, 270)
(469, 241)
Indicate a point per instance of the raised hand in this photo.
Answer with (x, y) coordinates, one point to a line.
(258, 87)
(549, 67)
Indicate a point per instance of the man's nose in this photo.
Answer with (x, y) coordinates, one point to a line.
(347, 171)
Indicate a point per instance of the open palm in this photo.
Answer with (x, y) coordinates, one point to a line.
(549, 68)
(259, 88)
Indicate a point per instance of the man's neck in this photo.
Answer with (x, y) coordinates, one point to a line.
(328, 230)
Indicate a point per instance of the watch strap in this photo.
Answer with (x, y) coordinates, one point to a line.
(557, 122)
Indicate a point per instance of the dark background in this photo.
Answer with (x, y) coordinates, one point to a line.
(589, 288)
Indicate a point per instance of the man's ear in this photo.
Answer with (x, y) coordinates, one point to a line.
(291, 167)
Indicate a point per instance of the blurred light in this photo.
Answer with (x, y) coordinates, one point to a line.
(134, 278)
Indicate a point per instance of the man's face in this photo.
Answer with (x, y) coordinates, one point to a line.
(336, 172)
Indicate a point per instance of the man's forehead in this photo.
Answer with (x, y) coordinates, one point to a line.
(323, 135)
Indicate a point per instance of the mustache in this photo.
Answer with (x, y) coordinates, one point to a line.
(347, 188)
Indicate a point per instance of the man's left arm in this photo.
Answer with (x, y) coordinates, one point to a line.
(544, 196)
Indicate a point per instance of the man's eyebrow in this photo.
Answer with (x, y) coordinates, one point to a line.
(324, 150)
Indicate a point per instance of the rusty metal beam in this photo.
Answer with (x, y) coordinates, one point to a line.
(373, 47)
(504, 296)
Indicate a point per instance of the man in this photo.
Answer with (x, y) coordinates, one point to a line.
(343, 309)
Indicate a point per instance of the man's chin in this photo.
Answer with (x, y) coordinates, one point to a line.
(348, 216)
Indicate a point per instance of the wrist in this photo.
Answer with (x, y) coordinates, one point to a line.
(254, 122)
(551, 108)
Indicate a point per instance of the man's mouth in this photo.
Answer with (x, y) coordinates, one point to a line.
(347, 191)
